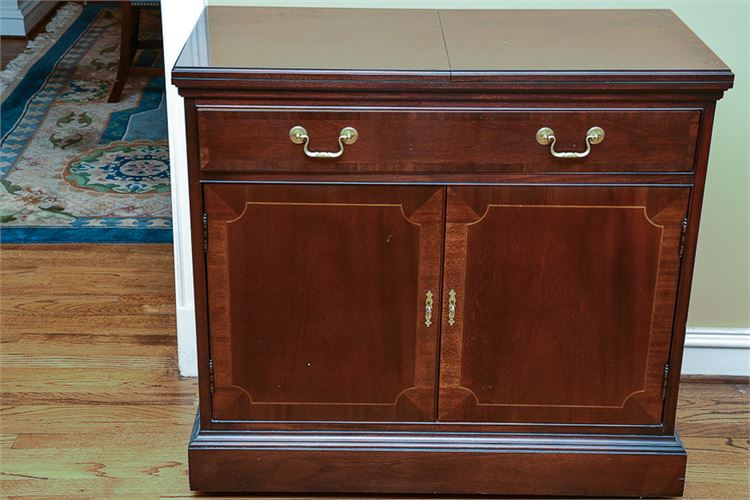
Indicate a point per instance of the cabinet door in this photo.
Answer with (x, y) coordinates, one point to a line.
(316, 301)
(564, 303)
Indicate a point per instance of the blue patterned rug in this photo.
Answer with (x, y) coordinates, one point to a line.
(74, 168)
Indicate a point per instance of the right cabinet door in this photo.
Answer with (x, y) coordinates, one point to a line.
(560, 303)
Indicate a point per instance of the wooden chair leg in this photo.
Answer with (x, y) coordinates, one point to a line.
(128, 44)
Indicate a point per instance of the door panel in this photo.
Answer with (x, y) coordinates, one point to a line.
(564, 303)
(316, 301)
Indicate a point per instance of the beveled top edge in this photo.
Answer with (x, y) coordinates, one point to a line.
(445, 46)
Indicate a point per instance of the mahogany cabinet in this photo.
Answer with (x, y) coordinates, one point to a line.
(443, 251)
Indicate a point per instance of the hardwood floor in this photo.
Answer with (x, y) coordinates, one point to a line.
(9, 49)
(92, 405)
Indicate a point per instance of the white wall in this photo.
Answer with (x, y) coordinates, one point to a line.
(178, 19)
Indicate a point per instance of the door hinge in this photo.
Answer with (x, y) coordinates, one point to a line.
(211, 385)
(683, 234)
(205, 232)
(665, 382)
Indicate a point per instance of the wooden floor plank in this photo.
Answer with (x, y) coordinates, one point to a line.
(20, 419)
(86, 304)
(85, 361)
(7, 440)
(714, 410)
(35, 345)
(148, 436)
(93, 407)
(10, 48)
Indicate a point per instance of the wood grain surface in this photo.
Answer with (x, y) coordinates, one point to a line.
(546, 275)
(9, 49)
(323, 318)
(342, 39)
(561, 40)
(445, 140)
(459, 40)
(92, 405)
(240, 47)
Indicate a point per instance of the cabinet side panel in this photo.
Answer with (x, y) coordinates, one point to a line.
(688, 265)
(199, 263)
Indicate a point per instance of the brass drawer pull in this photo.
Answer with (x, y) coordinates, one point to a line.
(546, 135)
(428, 308)
(451, 307)
(298, 135)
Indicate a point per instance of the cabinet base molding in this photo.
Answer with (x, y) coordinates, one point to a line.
(449, 463)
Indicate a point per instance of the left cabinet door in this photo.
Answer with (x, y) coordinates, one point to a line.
(317, 301)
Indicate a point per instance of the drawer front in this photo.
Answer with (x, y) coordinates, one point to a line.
(246, 139)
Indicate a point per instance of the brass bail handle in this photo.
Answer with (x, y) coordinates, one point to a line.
(546, 135)
(298, 135)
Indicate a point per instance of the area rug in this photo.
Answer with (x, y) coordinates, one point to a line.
(74, 168)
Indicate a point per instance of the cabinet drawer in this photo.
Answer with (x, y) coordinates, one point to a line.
(246, 139)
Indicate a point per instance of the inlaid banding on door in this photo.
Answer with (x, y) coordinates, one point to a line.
(631, 221)
(324, 355)
(487, 213)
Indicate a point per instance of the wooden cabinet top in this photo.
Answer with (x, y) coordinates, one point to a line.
(445, 47)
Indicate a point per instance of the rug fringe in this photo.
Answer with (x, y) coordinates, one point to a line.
(14, 71)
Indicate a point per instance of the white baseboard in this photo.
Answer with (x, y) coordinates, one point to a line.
(178, 18)
(11, 19)
(187, 355)
(717, 351)
(10, 26)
